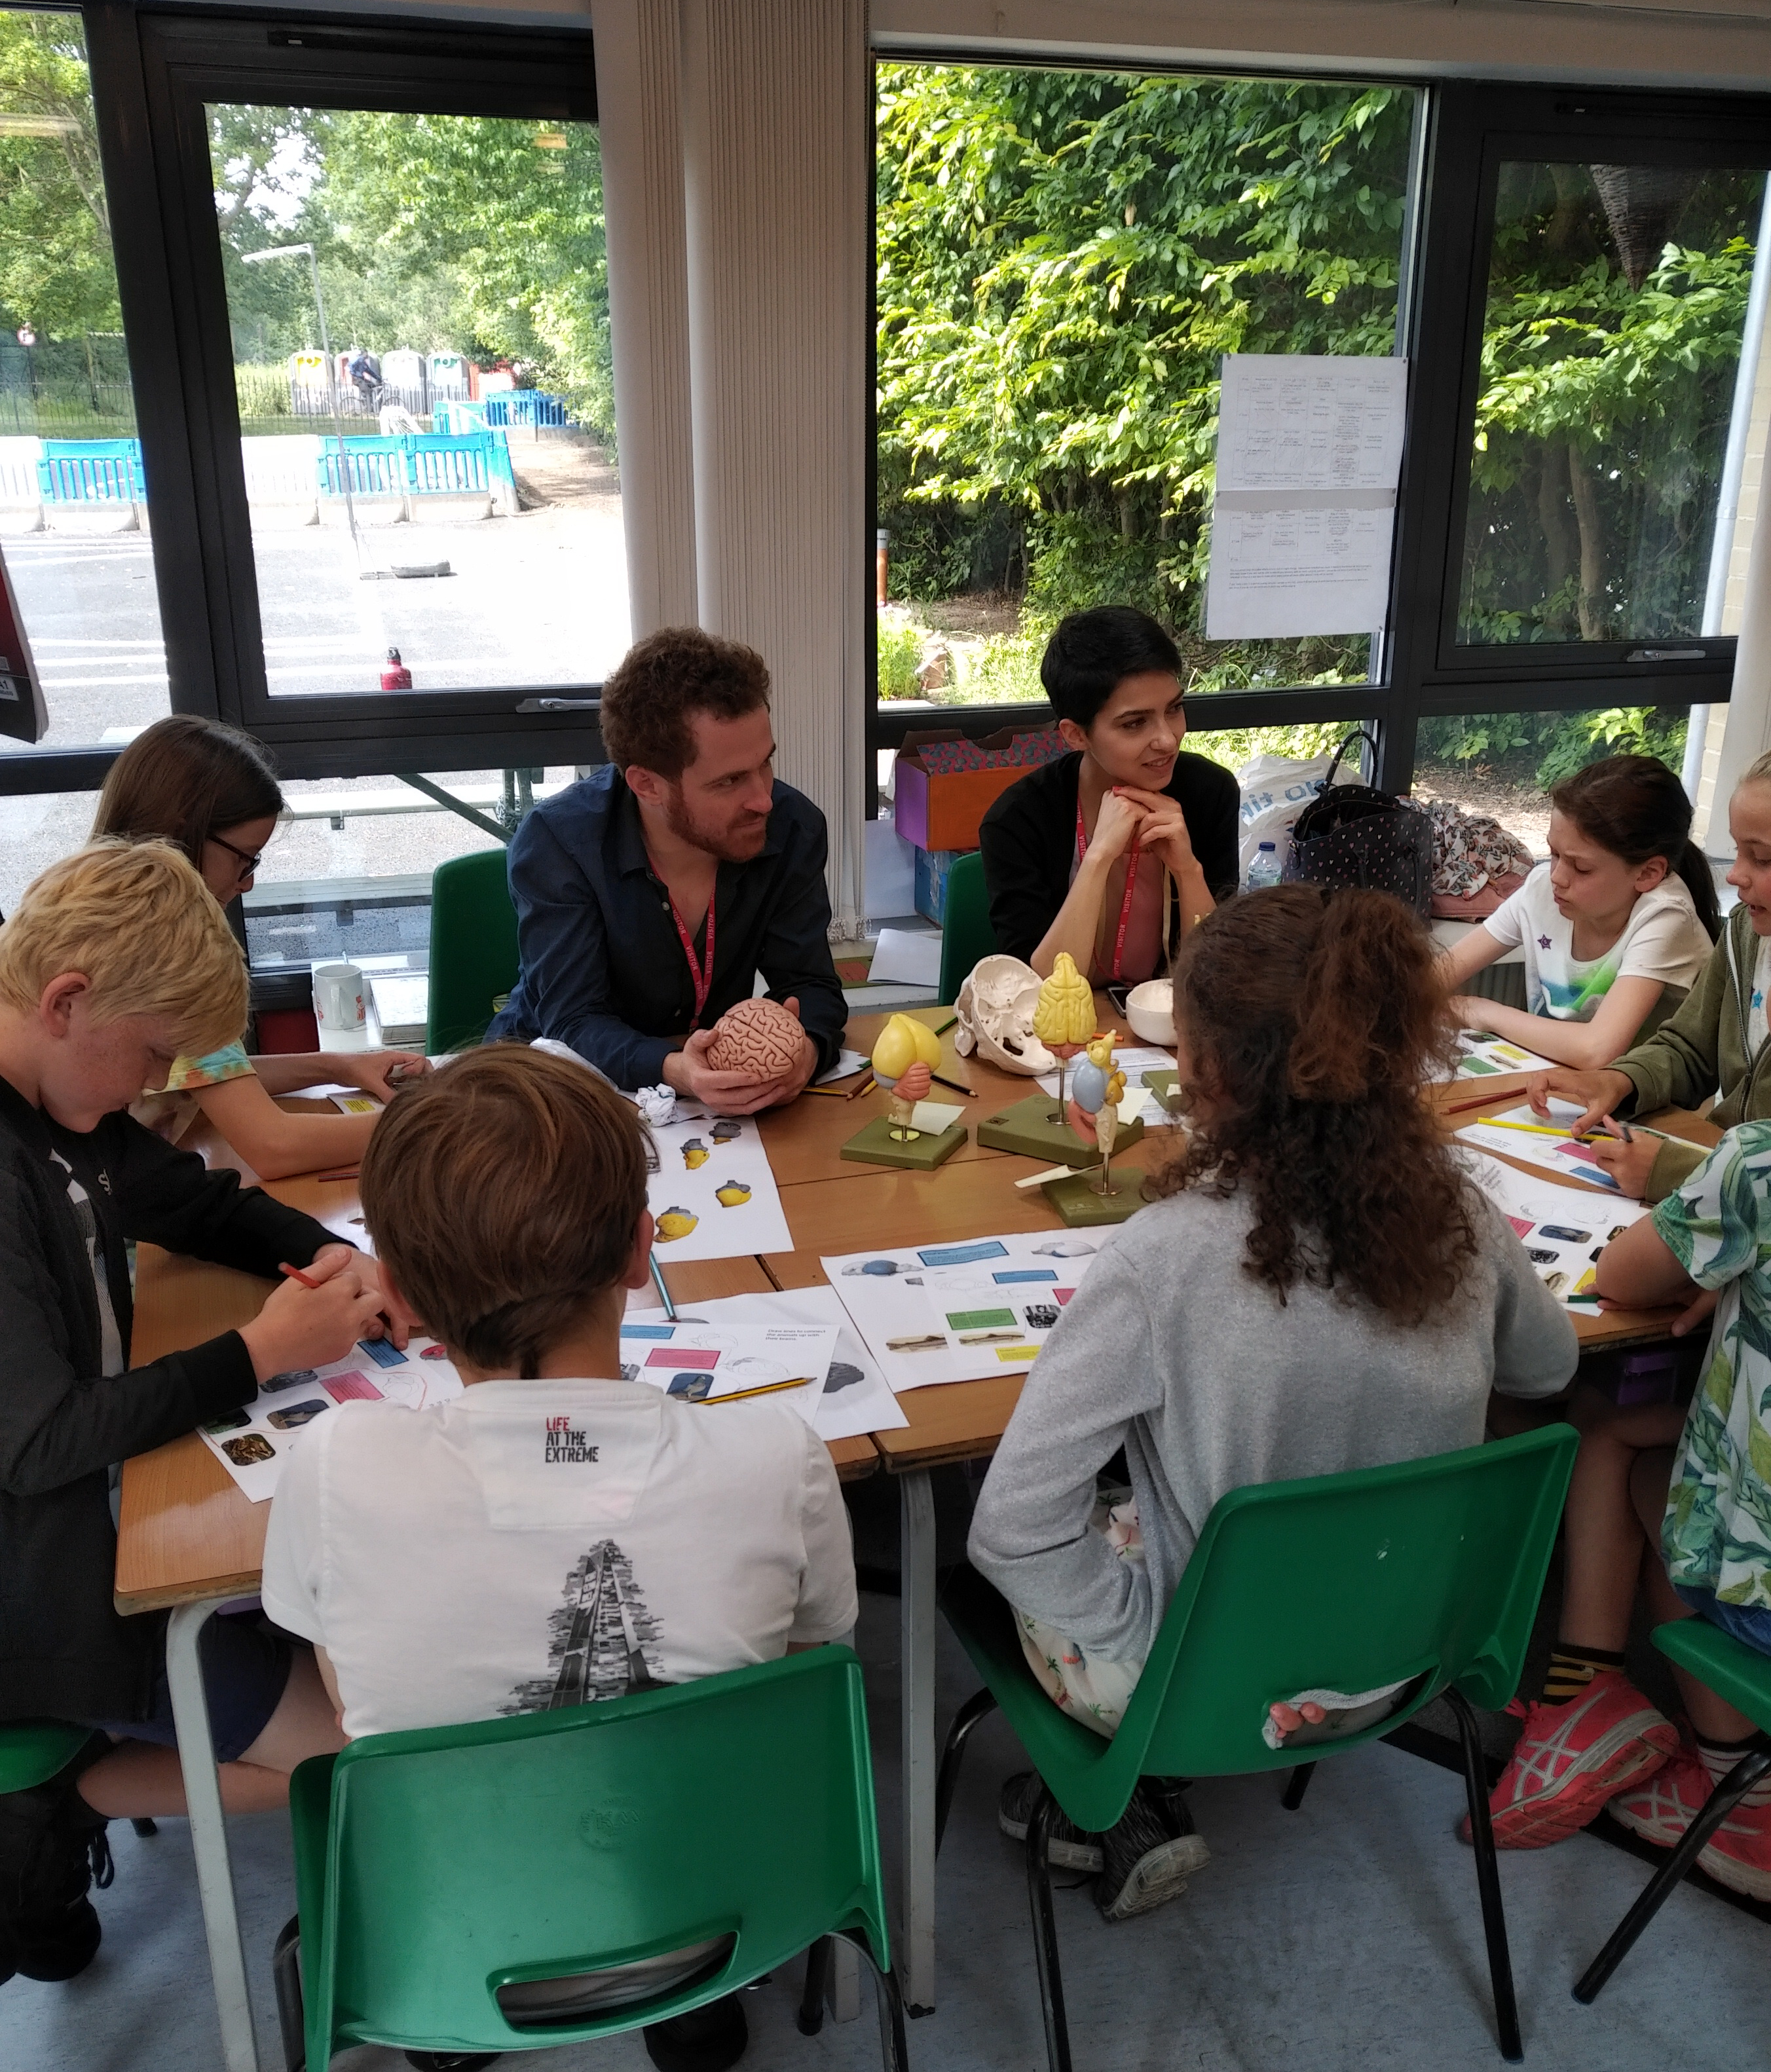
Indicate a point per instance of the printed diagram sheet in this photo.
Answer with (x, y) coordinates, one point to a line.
(252, 1442)
(962, 1312)
(1563, 1231)
(713, 1193)
(855, 1399)
(1533, 1144)
(1309, 450)
(698, 1362)
(1480, 1055)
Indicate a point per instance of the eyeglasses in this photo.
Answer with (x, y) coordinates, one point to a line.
(249, 864)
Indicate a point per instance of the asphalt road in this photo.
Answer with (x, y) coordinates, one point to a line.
(537, 599)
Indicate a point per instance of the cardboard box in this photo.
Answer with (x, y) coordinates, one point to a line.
(939, 810)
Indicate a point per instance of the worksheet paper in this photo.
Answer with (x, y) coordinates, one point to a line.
(1478, 1055)
(712, 1194)
(698, 1362)
(855, 1399)
(252, 1442)
(1134, 1063)
(1565, 1157)
(1563, 1231)
(1309, 451)
(962, 1312)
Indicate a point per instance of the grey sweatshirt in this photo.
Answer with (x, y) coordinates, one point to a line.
(1210, 1383)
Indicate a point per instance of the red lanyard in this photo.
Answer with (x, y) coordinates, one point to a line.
(700, 976)
(1131, 879)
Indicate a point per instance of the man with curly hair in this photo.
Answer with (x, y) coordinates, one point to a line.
(650, 895)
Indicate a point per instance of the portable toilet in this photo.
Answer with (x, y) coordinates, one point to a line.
(308, 396)
(448, 376)
(402, 370)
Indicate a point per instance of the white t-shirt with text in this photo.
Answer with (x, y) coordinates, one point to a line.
(540, 1543)
(1662, 939)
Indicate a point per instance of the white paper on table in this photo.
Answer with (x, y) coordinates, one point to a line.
(903, 959)
(1134, 1063)
(713, 1195)
(962, 1312)
(261, 1435)
(687, 1357)
(847, 1064)
(1479, 1056)
(932, 1116)
(1562, 1230)
(1309, 452)
(354, 1101)
(1562, 1156)
(855, 1399)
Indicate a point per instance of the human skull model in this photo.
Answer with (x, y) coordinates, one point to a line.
(757, 1036)
(995, 1007)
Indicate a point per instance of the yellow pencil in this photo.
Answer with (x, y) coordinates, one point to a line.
(768, 1388)
(1541, 1129)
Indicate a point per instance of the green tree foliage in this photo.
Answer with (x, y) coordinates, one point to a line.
(56, 273)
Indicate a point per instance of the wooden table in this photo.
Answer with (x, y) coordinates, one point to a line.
(189, 1541)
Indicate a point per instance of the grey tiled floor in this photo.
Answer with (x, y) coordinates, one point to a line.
(1344, 1936)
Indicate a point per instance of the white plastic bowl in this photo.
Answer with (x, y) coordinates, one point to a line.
(1149, 1008)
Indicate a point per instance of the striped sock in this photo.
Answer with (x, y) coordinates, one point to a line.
(1719, 1758)
(1571, 1669)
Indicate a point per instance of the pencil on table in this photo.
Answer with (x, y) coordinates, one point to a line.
(865, 1087)
(969, 1092)
(768, 1388)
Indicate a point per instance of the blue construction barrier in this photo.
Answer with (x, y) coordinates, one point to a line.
(92, 471)
(504, 409)
(428, 464)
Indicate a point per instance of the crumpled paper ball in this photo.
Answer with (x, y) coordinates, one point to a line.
(657, 1104)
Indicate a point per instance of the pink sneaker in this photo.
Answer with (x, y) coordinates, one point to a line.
(1737, 1855)
(1572, 1758)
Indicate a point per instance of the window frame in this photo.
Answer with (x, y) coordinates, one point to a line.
(1467, 127)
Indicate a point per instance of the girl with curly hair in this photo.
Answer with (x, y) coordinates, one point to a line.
(1317, 1289)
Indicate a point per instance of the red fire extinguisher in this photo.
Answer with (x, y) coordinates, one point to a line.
(395, 675)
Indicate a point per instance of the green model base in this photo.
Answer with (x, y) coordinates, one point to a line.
(1082, 1208)
(1027, 1129)
(875, 1145)
(1162, 1084)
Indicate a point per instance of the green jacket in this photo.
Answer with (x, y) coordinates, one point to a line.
(1699, 1049)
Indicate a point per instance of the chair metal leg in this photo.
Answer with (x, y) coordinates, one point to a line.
(1488, 1880)
(817, 1971)
(1295, 1786)
(894, 2046)
(978, 1706)
(1721, 1801)
(144, 1828)
(1045, 1949)
(291, 2015)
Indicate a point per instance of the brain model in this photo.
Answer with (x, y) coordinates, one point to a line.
(758, 1037)
(1065, 1013)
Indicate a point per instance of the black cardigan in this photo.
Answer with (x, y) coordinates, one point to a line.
(1028, 839)
(65, 1650)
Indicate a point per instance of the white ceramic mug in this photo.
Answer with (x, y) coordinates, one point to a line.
(339, 1007)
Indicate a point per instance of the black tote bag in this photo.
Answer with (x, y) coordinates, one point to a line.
(1355, 835)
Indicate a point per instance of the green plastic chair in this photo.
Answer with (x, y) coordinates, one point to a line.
(1742, 1675)
(473, 948)
(965, 933)
(433, 1868)
(33, 1751)
(1428, 1571)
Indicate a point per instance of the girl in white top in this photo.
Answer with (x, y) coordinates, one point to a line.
(1624, 909)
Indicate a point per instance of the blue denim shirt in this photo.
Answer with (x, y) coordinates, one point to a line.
(602, 968)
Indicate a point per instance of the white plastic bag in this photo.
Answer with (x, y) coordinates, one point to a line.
(1275, 792)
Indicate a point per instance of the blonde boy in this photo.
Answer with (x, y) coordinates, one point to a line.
(116, 959)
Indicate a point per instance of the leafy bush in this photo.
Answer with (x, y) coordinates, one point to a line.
(900, 652)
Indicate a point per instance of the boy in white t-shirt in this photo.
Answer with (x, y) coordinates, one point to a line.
(554, 1536)
(1615, 927)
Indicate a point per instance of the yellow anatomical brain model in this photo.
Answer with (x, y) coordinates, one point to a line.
(902, 1056)
(1064, 1020)
(1098, 1087)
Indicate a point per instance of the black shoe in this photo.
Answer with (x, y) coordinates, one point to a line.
(53, 1851)
(1148, 1855)
(708, 2040)
(451, 2060)
(1070, 1849)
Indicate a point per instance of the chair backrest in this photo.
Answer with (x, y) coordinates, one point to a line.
(965, 932)
(435, 1867)
(33, 1751)
(1732, 1670)
(1429, 1569)
(473, 947)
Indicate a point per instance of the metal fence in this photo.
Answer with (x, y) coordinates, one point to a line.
(66, 387)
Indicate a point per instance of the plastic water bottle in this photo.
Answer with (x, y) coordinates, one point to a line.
(1264, 868)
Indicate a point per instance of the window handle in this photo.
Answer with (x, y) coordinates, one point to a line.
(1653, 654)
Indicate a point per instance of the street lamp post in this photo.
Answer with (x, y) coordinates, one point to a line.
(306, 251)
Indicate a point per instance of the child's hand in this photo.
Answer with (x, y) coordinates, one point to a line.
(301, 1326)
(1598, 1093)
(1699, 1312)
(369, 1070)
(1630, 1165)
(1289, 1718)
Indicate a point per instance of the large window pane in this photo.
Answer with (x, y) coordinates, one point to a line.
(1617, 298)
(72, 494)
(1503, 764)
(1064, 257)
(420, 317)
